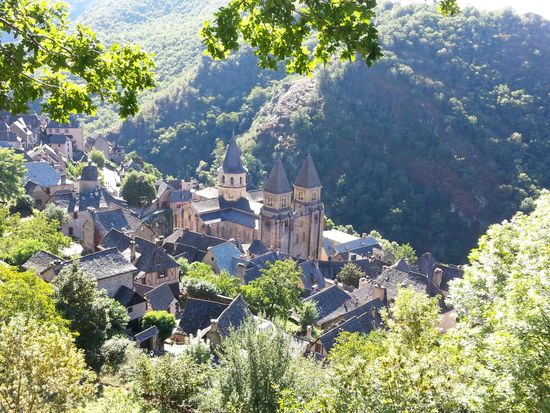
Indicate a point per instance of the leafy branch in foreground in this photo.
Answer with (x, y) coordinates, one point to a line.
(68, 68)
(285, 30)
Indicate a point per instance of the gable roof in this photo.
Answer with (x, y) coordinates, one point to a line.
(42, 173)
(233, 316)
(146, 334)
(353, 325)
(223, 255)
(105, 264)
(277, 181)
(360, 246)
(57, 139)
(197, 314)
(115, 218)
(182, 195)
(328, 300)
(197, 240)
(311, 275)
(41, 261)
(152, 257)
(232, 163)
(354, 308)
(128, 297)
(116, 239)
(161, 298)
(257, 247)
(392, 279)
(308, 176)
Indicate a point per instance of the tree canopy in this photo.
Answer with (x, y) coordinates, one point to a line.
(12, 171)
(41, 58)
(138, 188)
(163, 320)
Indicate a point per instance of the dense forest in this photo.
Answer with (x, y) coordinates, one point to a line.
(445, 135)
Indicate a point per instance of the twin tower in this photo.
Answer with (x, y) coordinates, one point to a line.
(291, 219)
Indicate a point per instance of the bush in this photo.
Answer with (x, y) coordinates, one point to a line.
(198, 350)
(307, 313)
(199, 288)
(98, 158)
(114, 352)
(164, 321)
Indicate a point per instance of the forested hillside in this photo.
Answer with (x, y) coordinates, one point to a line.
(445, 135)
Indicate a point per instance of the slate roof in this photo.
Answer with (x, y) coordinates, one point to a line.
(223, 255)
(115, 218)
(353, 325)
(360, 246)
(427, 264)
(193, 239)
(328, 300)
(233, 316)
(41, 261)
(161, 298)
(116, 239)
(331, 269)
(71, 201)
(231, 215)
(105, 264)
(393, 279)
(42, 173)
(197, 314)
(207, 205)
(354, 308)
(146, 334)
(308, 176)
(311, 275)
(58, 139)
(128, 297)
(257, 247)
(180, 196)
(232, 163)
(142, 289)
(256, 195)
(277, 181)
(89, 173)
(152, 257)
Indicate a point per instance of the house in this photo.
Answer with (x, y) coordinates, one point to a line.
(8, 139)
(440, 274)
(230, 319)
(193, 244)
(328, 300)
(153, 264)
(42, 180)
(61, 144)
(47, 154)
(45, 264)
(39, 194)
(135, 304)
(73, 132)
(221, 257)
(149, 339)
(163, 297)
(24, 134)
(101, 222)
(197, 313)
(100, 144)
(312, 279)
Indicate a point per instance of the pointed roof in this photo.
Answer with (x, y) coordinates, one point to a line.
(277, 182)
(232, 163)
(308, 176)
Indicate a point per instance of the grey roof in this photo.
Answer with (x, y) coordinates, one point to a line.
(146, 334)
(115, 218)
(257, 247)
(308, 176)
(152, 257)
(401, 265)
(197, 314)
(142, 289)
(89, 173)
(354, 308)
(277, 182)
(57, 139)
(359, 246)
(232, 163)
(193, 239)
(207, 205)
(180, 196)
(161, 298)
(71, 201)
(362, 324)
(328, 300)
(233, 316)
(331, 268)
(393, 279)
(128, 297)
(230, 215)
(105, 264)
(223, 255)
(311, 275)
(41, 261)
(42, 173)
(427, 264)
(116, 239)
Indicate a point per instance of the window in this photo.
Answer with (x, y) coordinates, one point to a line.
(241, 180)
(232, 181)
(75, 215)
(130, 309)
(269, 201)
(283, 201)
(57, 130)
(66, 130)
(162, 274)
(314, 195)
(70, 231)
(285, 226)
(223, 179)
(300, 194)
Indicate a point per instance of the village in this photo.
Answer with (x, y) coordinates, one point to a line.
(135, 252)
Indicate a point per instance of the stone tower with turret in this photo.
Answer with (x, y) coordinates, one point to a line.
(294, 226)
(232, 174)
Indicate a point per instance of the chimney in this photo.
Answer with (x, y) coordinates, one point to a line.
(241, 269)
(437, 277)
(160, 240)
(213, 325)
(132, 251)
(309, 329)
(380, 292)
(352, 256)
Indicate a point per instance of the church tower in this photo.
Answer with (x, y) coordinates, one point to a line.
(232, 174)
(276, 213)
(309, 213)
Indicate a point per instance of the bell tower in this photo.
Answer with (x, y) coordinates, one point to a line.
(276, 213)
(309, 213)
(232, 174)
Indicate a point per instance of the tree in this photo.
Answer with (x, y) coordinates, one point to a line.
(282, 31)
(12, 172)
(399, 251)
(276, 291)
(45, 372)
(350, 275)
(88, 310)
(42, 58)
(503, 306)
(114, 353)
(97, 158)
(307, 313)
(163, 320)
(26, 295)
(138, 188)
(55, 213)
(225, 283)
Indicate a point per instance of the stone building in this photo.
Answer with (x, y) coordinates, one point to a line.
(284, 218)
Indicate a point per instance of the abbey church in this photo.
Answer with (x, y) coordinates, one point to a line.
(284, 217)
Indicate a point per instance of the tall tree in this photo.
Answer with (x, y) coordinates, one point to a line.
(138, 188)
(12, 171)
(41, 58)
(276, 291)
(283, 31)
(40, 368)
(350, 274)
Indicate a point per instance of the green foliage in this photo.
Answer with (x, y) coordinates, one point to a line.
(40, 368)
(97, 158)
(276, 291)
(55, 213)
(198, 350)
(21, 238)
(399, 251)
(12, 172)
(307, 313)
(199, 288)
(114, 353)
(164, 321)
(350, 275)
(138, 188)
(91, 314)
(224, 282)
(66, 67)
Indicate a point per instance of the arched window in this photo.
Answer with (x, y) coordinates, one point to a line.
(223, 179)
(269, 201)
(231, 181)
(241, 180)
(314, 195)
(283, 201)
(300, 194)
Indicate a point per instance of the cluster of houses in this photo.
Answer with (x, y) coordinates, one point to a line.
(133, 252)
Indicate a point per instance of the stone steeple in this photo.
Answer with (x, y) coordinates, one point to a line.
(308, 177)
(277, 182)
(232, 174)
(232, 164)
